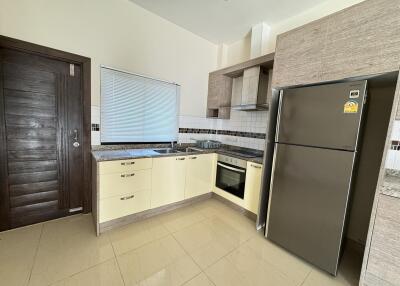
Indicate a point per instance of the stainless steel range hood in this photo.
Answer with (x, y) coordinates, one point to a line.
(250, 92)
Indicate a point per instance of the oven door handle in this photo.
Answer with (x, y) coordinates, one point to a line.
(231, 168)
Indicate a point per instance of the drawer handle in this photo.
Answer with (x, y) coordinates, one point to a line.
(127, 198)
(257, 167)
(127, 163)
(127, 175)
(192, 158)
(180, 159)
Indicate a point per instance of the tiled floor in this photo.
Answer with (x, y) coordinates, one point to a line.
(204, 244)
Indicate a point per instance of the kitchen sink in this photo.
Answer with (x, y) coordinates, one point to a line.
(168, 151)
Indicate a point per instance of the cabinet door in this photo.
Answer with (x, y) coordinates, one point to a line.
(253, 185)
(237, 86)
(298, 57)
(251, 78)
(199, 175)
(213, 90)
(362, 40)
(168, 180)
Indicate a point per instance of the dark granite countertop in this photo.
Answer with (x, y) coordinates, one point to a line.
(111, 153)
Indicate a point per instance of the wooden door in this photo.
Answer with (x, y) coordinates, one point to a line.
(41, 118)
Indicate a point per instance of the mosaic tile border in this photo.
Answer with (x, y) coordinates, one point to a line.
(223, 132)
(395, 145)
(95, 127)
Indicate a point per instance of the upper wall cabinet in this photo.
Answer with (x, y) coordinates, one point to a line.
(220, 84)
(219, 95)
(298, 55)
(361, 40)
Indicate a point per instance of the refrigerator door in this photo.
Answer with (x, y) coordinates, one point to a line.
(308, 202)
(324, 116)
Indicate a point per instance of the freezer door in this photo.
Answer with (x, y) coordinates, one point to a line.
(308, 202)
(323, 116)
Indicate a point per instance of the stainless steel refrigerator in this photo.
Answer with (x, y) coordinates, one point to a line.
(315, 154)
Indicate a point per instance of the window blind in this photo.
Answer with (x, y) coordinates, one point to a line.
(137, 109)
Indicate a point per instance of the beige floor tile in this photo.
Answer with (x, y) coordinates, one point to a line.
(165, 250)
(348, 272)
(238, 268)
(199, 280)
(292, 266)
(224, 273)
(104, 274)
(238, 231)
(161, 262)
(318, 278)
(17, 252)
(181, 218)
(68, 246)
(136, 234)
(203, 244)
(210, 208)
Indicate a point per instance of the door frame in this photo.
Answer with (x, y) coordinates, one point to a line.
(85, 64)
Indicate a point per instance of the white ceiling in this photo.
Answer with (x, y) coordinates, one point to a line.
(225, 21)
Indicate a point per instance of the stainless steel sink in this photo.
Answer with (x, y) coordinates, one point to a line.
(167, 151)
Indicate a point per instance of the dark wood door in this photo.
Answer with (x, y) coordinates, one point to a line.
(41, 102)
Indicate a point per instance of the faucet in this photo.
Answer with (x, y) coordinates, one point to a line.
(172, 145)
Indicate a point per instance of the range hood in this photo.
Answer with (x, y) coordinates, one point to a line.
(250, 91)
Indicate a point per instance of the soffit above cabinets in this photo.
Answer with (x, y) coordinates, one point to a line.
(225, 21)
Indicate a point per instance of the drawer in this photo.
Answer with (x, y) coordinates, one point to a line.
(121, 166)
(115, 184)
(120, 206)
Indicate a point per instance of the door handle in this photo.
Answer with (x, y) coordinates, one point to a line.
(231, 168)
(257, 167)
(75, 138)
(75, 134)
(127, 175)
(127, 198)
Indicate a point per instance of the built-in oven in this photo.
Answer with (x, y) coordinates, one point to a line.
(231, 175)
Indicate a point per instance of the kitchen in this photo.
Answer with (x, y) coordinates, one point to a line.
(175, 162)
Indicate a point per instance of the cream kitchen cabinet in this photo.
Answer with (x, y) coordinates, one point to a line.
(168, 180)
(200, 171)
(252, 188)
(123, 188)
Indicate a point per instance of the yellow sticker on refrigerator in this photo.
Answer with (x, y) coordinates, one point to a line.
(350, 106)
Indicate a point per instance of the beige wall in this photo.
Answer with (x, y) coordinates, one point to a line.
(120, 34)
(240, 50)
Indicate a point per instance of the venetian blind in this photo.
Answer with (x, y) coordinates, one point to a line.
(136, 109)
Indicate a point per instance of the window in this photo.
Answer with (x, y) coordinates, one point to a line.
(137, 109)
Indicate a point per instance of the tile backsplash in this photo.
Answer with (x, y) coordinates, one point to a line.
(393, 155)
(243, 129)
(95, 113)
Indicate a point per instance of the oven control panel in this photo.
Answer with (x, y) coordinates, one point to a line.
(232, 161)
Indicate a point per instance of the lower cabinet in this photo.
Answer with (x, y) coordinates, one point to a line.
(253, 186)
(200, 171)
(127, 187)
(123, 205)
(168, 180)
